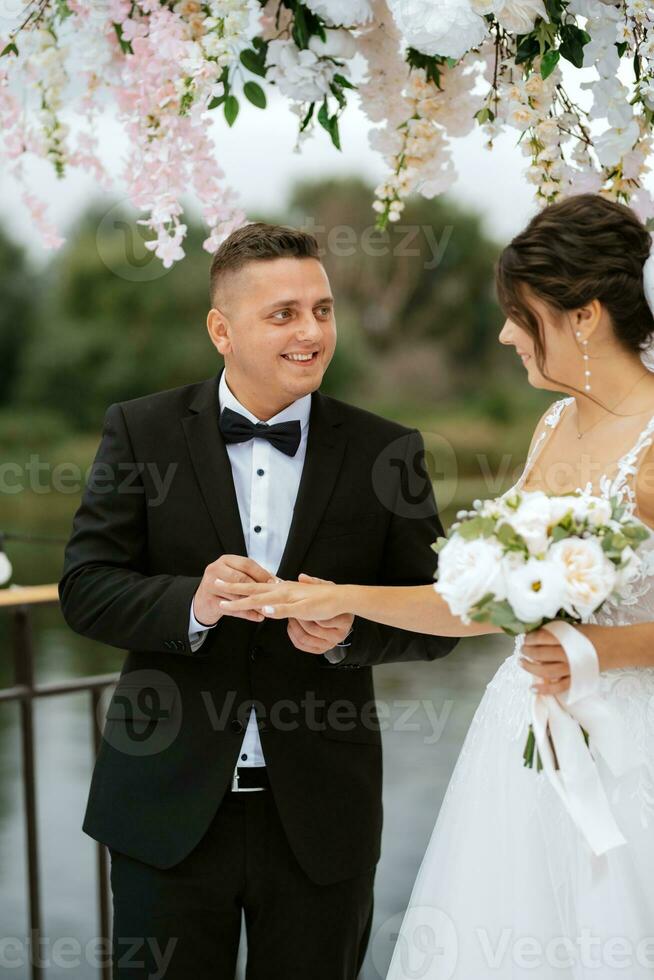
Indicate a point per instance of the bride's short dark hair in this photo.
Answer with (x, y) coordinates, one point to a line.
(582, 248)
(256, 241)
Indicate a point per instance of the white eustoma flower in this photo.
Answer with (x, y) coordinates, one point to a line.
(439, 27)
(587, 574)
(300, 74)
(345, 12)
(596, 510)
(467, 571)
(559, 507)
(534, 589)
(518, 16)
(531, 519)
(338, 43)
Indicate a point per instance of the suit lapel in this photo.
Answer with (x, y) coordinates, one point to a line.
(325, 449)
(212, 466)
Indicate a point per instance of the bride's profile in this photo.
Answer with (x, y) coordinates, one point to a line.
(508, 887)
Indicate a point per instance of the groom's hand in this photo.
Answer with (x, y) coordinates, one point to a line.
(318, 637)
(227, 568)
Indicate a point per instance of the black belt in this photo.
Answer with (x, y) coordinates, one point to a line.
(249, 778)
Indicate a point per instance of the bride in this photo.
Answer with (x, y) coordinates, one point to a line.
(508, 888)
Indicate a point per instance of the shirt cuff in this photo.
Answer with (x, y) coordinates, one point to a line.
(339, 652)
(194, 626)
(335, 655)
(343, 643)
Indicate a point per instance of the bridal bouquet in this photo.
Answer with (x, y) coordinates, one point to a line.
(526, 559)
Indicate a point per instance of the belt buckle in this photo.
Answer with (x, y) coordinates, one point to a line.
(243, 789)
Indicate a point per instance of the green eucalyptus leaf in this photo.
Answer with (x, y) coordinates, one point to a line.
(476, 527)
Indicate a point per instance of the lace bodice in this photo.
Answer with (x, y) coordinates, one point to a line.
(637, 605)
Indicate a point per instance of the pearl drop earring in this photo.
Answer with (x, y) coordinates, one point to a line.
(586, 369)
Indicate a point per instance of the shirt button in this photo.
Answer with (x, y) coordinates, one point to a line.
(260, 472)
(257, 529)
(244, 756)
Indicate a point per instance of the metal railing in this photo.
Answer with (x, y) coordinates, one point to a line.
(18, 601)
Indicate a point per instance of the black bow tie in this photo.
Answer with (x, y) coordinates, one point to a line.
(284, 436)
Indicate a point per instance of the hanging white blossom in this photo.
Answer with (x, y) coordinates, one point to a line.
(299, 74)
(439, 27)
(434, 70)
(341, 12)
(338, 43)
(518, 16)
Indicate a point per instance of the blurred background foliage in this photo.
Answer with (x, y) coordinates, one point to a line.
(416, 315)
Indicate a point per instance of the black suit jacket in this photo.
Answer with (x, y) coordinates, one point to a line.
(365, 513)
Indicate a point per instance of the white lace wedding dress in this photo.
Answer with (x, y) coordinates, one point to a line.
(508, 888)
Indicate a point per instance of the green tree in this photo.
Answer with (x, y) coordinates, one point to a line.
(17, 314)
(114, 324)
(423, 285)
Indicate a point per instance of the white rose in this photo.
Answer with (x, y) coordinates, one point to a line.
(336, 12)
(439, 27)
(467, 571)
(337, 44)
(588, 575)
(534, 589)
(531, 519)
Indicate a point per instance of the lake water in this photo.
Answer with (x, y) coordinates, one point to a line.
(417, 766)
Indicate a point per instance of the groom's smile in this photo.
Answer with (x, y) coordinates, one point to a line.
(306, 359)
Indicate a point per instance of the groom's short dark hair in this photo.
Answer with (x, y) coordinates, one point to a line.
(256, 241)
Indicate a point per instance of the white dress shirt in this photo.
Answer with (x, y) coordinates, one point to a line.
(266, 482)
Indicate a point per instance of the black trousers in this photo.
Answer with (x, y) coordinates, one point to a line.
(184, 922)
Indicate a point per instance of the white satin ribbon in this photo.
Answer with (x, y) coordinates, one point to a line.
(577, 780)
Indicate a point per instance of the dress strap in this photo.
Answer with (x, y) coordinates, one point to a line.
(550, 422)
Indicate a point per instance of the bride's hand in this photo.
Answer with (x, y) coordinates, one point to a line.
(544, 657)
(287, 600)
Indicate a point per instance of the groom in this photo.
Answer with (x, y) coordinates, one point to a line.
(240, 767)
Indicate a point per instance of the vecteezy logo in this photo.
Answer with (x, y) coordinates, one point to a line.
(144, 714)
(422, 944)
(403, 474)
(121, 247)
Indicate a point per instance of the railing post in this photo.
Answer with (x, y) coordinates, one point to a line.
(18, 601)
(24, 674)
(101, 851)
